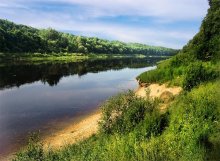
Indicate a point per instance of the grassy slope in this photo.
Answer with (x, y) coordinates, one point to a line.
(134, 129)
(199, 57)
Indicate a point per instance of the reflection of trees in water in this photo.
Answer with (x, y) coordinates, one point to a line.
(51, 73)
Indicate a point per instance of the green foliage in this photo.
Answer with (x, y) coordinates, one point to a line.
(206, 44)
(23, 39)
(197, 73)
(122, 113)
(167, 71)
(194, 119)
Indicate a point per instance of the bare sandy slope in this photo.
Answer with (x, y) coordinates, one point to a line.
(89, 126)
(159, 91)
(156, 90)
(73, 133)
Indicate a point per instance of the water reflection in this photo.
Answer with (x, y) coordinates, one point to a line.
(21, 73)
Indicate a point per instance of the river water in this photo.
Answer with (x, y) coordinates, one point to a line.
(45, 96)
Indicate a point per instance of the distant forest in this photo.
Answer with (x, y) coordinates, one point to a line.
(23, 39)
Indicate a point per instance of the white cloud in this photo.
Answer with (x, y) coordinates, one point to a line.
(170, 9)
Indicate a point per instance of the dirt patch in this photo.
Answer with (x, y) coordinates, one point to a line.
(166, 94)
(157, 90)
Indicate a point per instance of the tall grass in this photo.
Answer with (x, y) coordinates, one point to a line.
(177, 71)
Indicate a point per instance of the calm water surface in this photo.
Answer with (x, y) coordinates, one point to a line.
(46, 96)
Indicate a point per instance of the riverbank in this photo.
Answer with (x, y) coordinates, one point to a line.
(69, 57)
(57, 91)
(86, 126)
(73, 133)
(89, 125)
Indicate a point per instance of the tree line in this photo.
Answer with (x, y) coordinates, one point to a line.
(24, 39)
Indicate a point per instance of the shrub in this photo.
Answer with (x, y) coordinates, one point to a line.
(123, 112)
(153, 124)
(197, 73)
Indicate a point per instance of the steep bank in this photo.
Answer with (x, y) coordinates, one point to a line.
(161, 91)
(157, 91)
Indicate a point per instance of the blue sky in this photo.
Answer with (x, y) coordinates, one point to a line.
(169, 23)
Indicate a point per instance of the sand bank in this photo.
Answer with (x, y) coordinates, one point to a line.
(73, 133)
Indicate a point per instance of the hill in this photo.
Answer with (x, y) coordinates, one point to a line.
(23, 39)
(196, 62)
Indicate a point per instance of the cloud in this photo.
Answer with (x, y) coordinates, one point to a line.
(171, 9)
(168, 9)
(147, 21)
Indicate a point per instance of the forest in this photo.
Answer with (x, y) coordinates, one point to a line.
(23, 39)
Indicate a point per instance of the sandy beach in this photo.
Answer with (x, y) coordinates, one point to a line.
(73, 133)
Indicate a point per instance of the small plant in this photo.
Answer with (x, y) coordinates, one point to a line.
(34, 150)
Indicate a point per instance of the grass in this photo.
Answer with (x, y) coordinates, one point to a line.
(71, 57)
(175, 71)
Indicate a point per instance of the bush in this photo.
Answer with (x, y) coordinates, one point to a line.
(197, 73)
(123, 112)
(153, 124)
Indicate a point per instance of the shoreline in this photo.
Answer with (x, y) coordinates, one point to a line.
(69, 132)
(74, 132)
(88, 125)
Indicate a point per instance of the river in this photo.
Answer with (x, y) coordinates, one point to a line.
(46, 96)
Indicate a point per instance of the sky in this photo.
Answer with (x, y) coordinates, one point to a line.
(169, 23)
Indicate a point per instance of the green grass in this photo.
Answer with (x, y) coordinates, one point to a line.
(68, 57)
(63, 57)
(175, 71)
